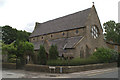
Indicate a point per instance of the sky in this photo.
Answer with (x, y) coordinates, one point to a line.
(22, 14)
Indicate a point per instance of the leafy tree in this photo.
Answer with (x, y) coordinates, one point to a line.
(42, 57)
(118, 61)
(53, 53)
(23, 49)
(18, 49)
(118, 31)
(106, 55)
(9, 50)
(10, 35)
(112, 31)
(23, 35)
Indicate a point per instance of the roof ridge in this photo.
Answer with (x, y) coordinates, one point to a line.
(66, 15)
(71, 21)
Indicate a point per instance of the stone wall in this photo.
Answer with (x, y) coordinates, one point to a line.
(9, 65)
(93, 20)
(112, 46)
(62, 34)
(67, 69)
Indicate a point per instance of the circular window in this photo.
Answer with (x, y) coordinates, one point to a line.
(94, 32)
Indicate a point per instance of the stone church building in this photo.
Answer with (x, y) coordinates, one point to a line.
(76, 35)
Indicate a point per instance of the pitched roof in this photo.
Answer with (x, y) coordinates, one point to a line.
(70, 43)
(72, 21)
(37, 44)
(62, 43)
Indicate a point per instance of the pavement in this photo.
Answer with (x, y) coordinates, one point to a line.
(98, 73)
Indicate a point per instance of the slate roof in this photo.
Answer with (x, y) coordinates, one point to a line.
(72, 41)
(62, 43)
(72, 21)
(37, 44)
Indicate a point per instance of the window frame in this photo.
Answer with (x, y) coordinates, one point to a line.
(94, 31)
(77, 31)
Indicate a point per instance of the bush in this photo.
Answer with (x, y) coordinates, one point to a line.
(118, 61)
(106, 55)
(12, 60)
(73, 62)
(53, 53)
(42, 57)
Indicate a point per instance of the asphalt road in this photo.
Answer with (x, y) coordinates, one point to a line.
(99, 73)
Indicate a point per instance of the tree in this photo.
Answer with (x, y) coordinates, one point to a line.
(9, 50)
(23, 35)
(112, 31)
(53, 53)
(118, 31)
(42, 57)
(10, 35)
(23, 49)
(106, 55)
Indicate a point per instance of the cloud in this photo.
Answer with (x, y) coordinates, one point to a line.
(2, 2)
(29, 27)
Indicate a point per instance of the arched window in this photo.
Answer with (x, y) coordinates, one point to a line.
(94, 32)
(63, 33)
(42, 37)
(33, 39)
(81, 52)
(87, 51)
(51, 35)
(77, 31)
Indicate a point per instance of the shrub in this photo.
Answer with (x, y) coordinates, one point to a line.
(53, 53)
(118, 61)
(23, 49)
(42, 57)
(73, 62)
(12, 60)
(106, 55)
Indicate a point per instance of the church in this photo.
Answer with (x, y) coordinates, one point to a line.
(76, 35)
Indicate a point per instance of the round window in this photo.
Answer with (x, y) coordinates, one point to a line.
(94, 32)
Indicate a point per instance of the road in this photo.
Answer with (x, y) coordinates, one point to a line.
(99, 73)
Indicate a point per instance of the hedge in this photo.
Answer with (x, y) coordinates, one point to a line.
(73, 62)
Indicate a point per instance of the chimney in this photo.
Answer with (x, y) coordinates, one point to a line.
(37, 24)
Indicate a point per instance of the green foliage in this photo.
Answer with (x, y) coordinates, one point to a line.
(74, 62)
(23, 49)
(12, 60)
(112, 31)
(10, 35)
(8, 49)
(118, 31)
(23, 35)
(18, 50)
(42, 57)
(118, 61)
(106, 55)
(53, 53)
